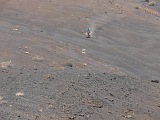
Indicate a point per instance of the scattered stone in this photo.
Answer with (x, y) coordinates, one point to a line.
(129, 116)
(111, 100)
(27, 52)
(83, 51)
(40, 110)
(69, 64)
(105, 97)
(136, 7)
(1, 97)
(98, 106)
(111, 94)
(20, 94)
(152, 3)
(155, 81)
(84, 64)
(49, 76)
(116, 4)
(15, 29)
(38, 58)
(6, 64)
(72, 117)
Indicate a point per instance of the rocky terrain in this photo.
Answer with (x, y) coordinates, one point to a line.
(49, 70)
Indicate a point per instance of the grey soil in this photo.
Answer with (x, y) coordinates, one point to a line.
(76, 95)
(49, 70)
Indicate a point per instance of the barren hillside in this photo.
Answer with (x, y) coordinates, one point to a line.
(50, 70)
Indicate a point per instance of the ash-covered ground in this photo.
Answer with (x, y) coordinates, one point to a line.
(50, 70)
(71, 94)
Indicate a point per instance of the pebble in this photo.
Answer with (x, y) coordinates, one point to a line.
(27, 52)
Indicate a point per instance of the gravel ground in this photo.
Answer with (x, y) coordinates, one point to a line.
(49, 70)
(73, 94)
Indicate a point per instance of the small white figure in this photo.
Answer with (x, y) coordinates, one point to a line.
(88, 33)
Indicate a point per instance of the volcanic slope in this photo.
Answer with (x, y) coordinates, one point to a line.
(50, 70)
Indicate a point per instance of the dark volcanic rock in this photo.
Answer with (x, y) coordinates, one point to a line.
(155, 81)
(71, 96)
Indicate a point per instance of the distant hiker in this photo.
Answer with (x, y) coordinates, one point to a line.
(88, 33)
